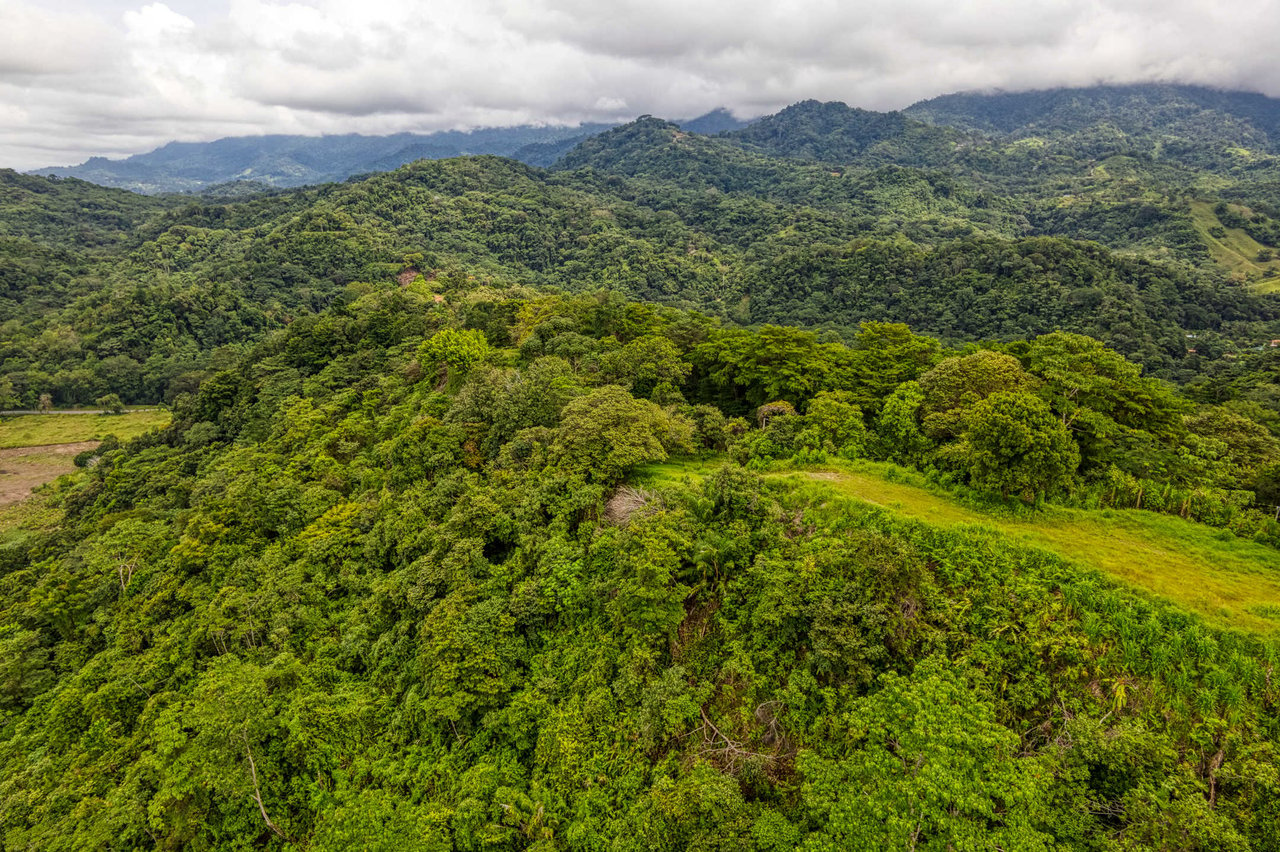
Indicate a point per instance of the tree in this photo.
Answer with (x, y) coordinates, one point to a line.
(457, 351)
(46, 402)
(1016, 446)
(897, 432)
(930, 769)
(1101, 397)
(774, 363)
(651, 366)
(834, 423)
(884, 355)
(607, 432)
(111, 403)
(8, 396)
(1249, 445)
(954, 385)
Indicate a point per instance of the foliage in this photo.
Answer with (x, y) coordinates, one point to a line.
(337, 601)
(1015, 446)
(388, 578)
(928, 767)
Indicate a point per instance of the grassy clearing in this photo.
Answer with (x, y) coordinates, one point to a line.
(36, 430)
(1230, 581)
(1237, 250)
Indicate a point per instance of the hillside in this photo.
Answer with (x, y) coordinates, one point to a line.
(399, 576)
(1238, 592)
(650, 213)
(1230, 135)
(835, 133)
(1189, 115)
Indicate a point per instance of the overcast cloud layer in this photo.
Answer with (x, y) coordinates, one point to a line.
(112, 77)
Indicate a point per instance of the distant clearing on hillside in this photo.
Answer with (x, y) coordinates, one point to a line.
(1236, 250)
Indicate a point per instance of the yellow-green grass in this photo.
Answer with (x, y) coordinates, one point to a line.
(1229, 581)
(1237, 250)
(28, 515)
(35, 430)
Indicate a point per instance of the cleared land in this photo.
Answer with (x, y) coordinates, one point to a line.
(34, 430)
(23, 469)
(1237, 250)
(35, 449)
(1229, 581)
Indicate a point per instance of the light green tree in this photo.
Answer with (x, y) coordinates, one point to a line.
(897, 431)
(608, 431)
(8, 396)
(651, 366)
(1016, 446)
(930, 768)
(953, 386)
(834, 423)
(454, 350)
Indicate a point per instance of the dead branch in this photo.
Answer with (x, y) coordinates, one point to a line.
(257, 792)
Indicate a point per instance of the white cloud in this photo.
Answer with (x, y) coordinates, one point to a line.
(116, 76)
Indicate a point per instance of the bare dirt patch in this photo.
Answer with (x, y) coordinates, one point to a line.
(23, 469)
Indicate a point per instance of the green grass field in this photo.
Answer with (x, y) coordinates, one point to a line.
(1229, 581)
(36, 430)
(1237, 250)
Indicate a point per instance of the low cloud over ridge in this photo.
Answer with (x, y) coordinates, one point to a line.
(80, 78)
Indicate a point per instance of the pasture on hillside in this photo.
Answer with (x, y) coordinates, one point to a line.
(1229, 581)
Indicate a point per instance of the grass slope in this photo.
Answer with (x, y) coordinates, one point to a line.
(1230, 582)
(1236, 251)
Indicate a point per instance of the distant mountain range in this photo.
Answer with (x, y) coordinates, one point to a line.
(289, 161)
(237, 164)
(1136, 109)
(1223, 132)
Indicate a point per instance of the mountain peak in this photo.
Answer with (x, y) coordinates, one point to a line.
(718, 120)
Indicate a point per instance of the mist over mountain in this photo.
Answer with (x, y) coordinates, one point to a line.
(289, 161)
(283, 161)
(716, 121)
(1208, 128)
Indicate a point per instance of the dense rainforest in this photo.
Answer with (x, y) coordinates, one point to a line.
(382, 582)
(498, 508)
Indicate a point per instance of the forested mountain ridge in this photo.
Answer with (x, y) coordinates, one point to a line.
(1178, 186)
(284, 161)
(72, 214)
(1188, 113)
(836, 133)
(781, 242)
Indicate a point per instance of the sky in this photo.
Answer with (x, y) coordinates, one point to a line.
(80, 78)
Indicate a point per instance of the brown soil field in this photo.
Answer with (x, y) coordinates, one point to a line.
(25, 468)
